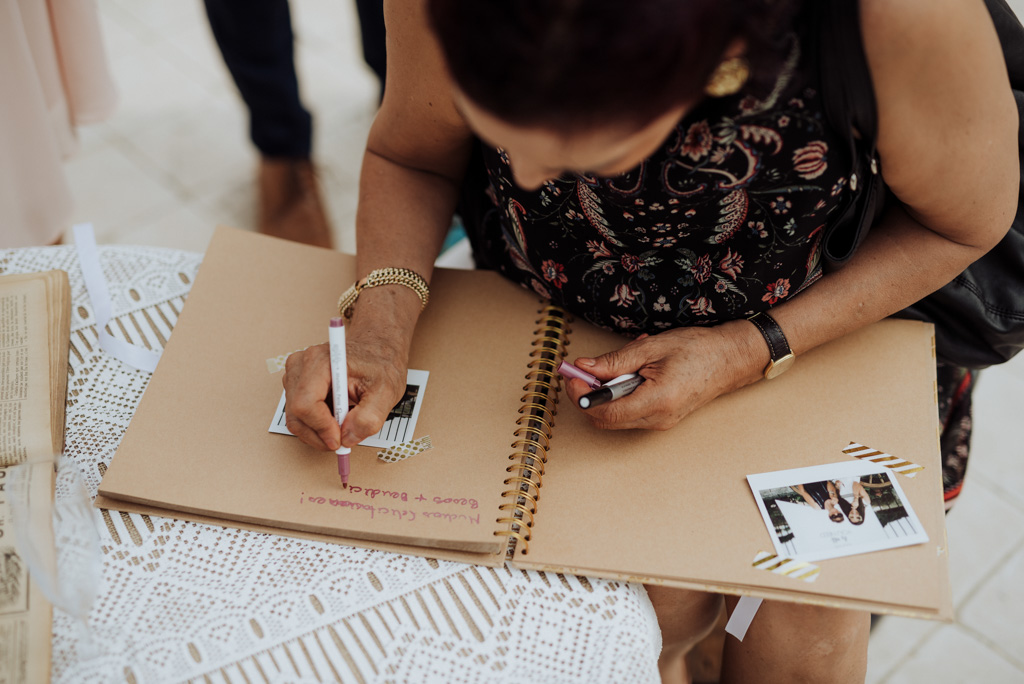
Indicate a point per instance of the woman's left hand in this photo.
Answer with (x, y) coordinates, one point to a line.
(684, 369)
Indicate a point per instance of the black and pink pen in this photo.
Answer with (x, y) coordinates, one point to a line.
(570, 371)
(339, 382)
(602, 392)
(615, 388)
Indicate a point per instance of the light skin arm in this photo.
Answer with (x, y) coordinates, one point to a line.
(948, 149)
(412, 168)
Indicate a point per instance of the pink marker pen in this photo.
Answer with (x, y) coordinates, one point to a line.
(571, 371)
(339, 382)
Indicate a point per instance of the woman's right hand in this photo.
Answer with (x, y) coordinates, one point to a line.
(376, 382)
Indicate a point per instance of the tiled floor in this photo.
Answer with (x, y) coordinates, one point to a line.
(175, 161)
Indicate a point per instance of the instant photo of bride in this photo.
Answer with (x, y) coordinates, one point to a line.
(834, 510)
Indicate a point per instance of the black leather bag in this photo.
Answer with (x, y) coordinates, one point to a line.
(979, 316)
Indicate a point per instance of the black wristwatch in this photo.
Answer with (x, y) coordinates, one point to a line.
(782, 356)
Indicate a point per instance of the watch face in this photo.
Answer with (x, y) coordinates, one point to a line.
(777, 368)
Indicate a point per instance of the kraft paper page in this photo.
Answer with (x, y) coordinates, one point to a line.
(213, 378)
(670, 507)
(681, 507)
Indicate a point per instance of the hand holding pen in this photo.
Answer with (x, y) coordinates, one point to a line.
(683, 369)
(601, 392)
(376, 369)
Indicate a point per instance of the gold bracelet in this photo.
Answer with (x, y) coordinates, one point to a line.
(384, 276)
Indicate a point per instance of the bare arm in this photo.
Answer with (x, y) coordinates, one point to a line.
(416, 152)
(412, 169)
(948, 149)
(859, 492)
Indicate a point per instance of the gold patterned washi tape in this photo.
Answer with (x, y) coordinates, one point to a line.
(801, 570)
(892, 462)
(400, 452)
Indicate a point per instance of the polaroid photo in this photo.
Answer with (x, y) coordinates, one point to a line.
(834, 510)
(400, 425)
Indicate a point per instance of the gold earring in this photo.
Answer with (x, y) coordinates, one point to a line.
(728, 77)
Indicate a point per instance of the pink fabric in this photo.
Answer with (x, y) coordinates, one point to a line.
(54, 77)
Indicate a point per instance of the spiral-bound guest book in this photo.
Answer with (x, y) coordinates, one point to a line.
(514, 470)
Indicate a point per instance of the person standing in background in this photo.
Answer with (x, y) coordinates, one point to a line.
(54, 78)
(256, 41)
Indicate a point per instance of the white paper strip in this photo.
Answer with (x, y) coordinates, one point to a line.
(99, 295)
(742, 615)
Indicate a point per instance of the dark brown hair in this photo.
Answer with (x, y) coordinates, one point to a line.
(574, 63)
(847, 508)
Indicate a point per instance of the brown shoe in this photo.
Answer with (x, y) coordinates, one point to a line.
(290, 204)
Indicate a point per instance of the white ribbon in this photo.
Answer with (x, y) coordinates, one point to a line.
(99, 295)
(742, 615)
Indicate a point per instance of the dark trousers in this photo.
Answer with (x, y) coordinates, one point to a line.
(255, 38)
(371, 29)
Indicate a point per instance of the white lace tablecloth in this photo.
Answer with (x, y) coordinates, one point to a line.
(185, 601)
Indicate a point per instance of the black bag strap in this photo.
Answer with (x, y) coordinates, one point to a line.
(833, 36)
(845, 77)
(1011, 38)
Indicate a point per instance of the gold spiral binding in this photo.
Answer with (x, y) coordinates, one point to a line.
(526, 482)
(536, 458)
(542, 356)
(540, 419)
(521, 495)
(537, 395)
(517, 522)
(538, 383)
(526, 445)
(557, 341)
(534, 428)
(523, 510)
(544, 375)
(547, 412)
(531, 430)
(539, 472)
(544, 330)
(512, 534)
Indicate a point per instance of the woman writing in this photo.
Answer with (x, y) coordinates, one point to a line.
(663, 168)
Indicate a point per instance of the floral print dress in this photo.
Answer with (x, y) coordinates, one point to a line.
(723, 221)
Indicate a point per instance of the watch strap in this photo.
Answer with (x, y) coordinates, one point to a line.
(778, 345)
